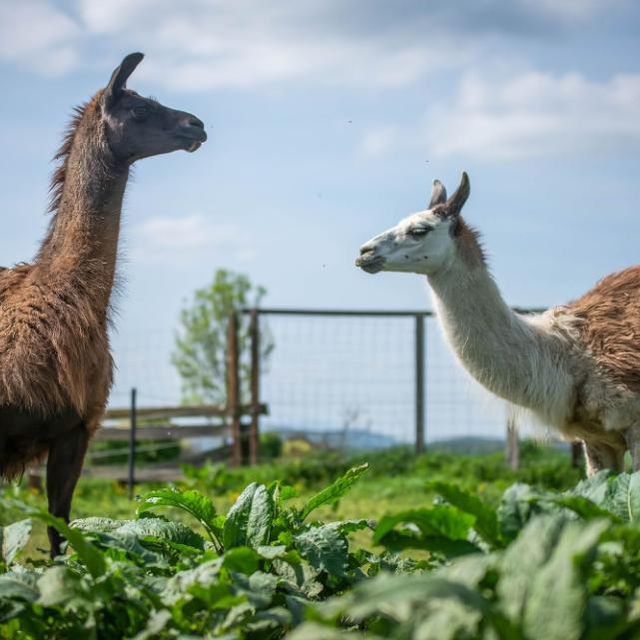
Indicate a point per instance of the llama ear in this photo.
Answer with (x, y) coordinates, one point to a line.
(455, 203)
(119, 78)
(438, 194)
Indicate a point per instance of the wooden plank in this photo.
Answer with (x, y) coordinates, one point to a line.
(170, 432)
(513, 445)
(195, 411)
(162, 472)
(233, 390)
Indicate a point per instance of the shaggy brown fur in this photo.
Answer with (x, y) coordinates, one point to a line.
(468, 244)
(609, 323)
(54, 347)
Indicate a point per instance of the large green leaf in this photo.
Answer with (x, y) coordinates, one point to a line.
(594, 488)
(249, 520)
(623, 496)
(157, 528)
(143, 529)
(334, 491)
(15, 586)
(14, 538)
(87, 553)
(193, 502)
(522, 559)
(408, 539)
(398, 597)
(584, 507)
(542, 587)
(439, 521)
(518, 505)
(486, 519)
(326, 548)
(242, 560)
(59, 585)
(618, 494)
(557, 597)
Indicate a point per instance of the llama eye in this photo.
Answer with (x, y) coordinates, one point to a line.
(419, 232)
(140, 112)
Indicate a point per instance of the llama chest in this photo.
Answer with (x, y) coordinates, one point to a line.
(53, 353)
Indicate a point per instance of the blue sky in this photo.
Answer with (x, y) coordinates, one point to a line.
(328, 120)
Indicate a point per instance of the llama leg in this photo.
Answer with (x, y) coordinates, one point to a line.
(632, 436)
(66, 456)
(601, 456)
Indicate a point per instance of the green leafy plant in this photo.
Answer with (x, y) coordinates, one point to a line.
(535, 564)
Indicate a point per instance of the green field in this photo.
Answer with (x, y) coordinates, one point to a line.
(436, 546)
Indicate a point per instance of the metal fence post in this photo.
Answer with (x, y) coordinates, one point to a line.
(254, 433)
(513, 444)
(233, 390)
(419, 343)
(132, 444)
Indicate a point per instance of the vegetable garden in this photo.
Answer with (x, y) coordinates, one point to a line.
(455, 560)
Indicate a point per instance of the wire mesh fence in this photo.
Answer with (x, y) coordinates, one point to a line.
(349, 379)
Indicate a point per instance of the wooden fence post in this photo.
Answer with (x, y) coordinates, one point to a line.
(131, 481)
(233, 390)
(419, 392)
(254, 433)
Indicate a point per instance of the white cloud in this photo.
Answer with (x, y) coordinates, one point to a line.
(187, 238)
(495, 117)
(38, 36)
(574, 9)
(198, 45)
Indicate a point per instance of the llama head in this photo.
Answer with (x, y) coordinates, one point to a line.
(138, 127)
(424, 242)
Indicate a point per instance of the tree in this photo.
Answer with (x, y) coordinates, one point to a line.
(201, 341)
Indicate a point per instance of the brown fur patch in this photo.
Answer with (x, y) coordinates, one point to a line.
(468, 243)
(62, 155)
(609, 325)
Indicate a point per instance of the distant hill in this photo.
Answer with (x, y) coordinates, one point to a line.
(351, 440)
(362, 440)
(469, 445)
(354, 440)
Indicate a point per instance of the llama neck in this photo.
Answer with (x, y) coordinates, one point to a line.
(518, 360)
(82, 242)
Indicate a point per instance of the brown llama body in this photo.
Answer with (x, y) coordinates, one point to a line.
(55, 362)
(609, 326)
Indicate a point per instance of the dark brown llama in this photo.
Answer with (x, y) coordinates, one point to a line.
(55, 362)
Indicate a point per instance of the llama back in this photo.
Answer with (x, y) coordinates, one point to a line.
(609, 326)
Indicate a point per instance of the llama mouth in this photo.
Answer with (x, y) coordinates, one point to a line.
(193, 139)
(370, 264)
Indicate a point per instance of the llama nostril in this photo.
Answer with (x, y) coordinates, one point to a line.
(192, 121)
(366, 248)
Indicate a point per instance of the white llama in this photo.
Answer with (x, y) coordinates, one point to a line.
(576, 367)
